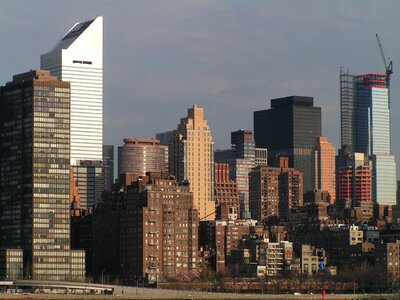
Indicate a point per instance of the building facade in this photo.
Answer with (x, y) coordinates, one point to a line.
(264, 193)
(159, 231)
(34, 176)
(324, 168)
(192, 158)
(261, 156)
(225, 236)
(139, 156)
(225, 189)
(289, 128)
(366, 126)
(290, 188)
(242, 158)
(89, 182)
(78, 59)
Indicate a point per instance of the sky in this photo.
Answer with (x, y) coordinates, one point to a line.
(229, 57)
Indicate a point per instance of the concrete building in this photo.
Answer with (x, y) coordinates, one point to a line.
(159, 231)
(387, 256)
(354, 187)
(264, 193)
(108, 166)
(34, 176)
(313, 260)
(225, 236)
(78, 59)
(225, 190)
(290, 187)
(324, 169)
(242, 158)
(274, 191)
(139, 156)
(356, 235)
(261, 157)
(366, 126)
(192, 160)
(289, 128)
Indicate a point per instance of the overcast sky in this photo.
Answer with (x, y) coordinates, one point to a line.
(229, 57)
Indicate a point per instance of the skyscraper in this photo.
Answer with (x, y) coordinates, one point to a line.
(243, 144)
(354, 185)
(289, 128)
(78, 59)
(264, 193)
(290, 187)
(192, 159)
(34, 176)
(324, 170)
(365, 126)
(242, 158)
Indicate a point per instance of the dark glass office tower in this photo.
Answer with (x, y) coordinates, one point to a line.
(243, 144)
(290, 128)
(34, 176)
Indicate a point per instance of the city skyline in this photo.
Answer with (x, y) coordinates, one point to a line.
(231, 62)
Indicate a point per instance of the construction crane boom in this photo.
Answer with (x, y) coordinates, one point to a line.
(388, 67)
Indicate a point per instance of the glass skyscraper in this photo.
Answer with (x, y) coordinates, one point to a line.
(78, 59)
(34, 176)
(290, 129)
(365, 124)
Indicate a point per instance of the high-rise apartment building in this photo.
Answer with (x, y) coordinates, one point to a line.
(354, 185)
(108, 166)
(264, 193)
(290, 187)
(34, 176)
(78, 59)
(192, 159)
(289, 128)
(274, 191)
(139, 156)
(242, 158)
(225, 189)
(324, 168)
(159, 231)
(365, 127)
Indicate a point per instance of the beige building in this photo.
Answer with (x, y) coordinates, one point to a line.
(192, 159)
(312, 259)
(324, 167)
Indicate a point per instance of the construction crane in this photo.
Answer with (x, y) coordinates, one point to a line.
(388, 67)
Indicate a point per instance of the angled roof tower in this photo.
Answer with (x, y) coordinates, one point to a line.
(78, 58)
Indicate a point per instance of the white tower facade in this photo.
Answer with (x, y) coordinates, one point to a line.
(78, 58)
